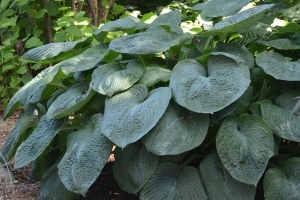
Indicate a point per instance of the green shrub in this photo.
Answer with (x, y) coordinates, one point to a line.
(222, 91)
(23, 27)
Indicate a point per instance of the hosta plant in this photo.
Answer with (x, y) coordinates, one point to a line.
(221, 93)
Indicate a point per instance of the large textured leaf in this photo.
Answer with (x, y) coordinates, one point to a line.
(133, 167)
(171, 181)
(219, 183)
(112, 77)
(53, 188)
(55, 52)
(283, 183)
(209, 91)
(27, 119)
(123, 24)
(177, 131)
(238, 22)
(88, 59)
(170, 18)
(284, 44)
(237, 50)
(24, 95)
(38, 141)
(220, 8)
(282, 122)
(152, 41)
(245, 144)
(130, 115)
(154, 75)
(70, 101)
(275, 65)
(87, 153)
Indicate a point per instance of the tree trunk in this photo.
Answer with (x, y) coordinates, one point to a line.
(97, 10)
(48, 24)
(102, 11)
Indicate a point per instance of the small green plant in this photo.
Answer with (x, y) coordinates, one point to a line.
(169, 91)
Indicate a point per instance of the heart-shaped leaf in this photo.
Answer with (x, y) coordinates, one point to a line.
(154, 40)
(136, 113)
(283, 183)
(38, 141)
(177, 131)
(209, 91)
(283, 123)
(219, 183)
(70, 101)
(112, 77)
(171, 181)
(55, 52)
(212, 8)
(53, 188)
(245, 144)
(154, 75)
(87, 153)
(238, 22)
(133, 166)
(122, 24)
(275, 65)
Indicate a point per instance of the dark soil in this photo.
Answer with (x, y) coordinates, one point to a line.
(106, 188)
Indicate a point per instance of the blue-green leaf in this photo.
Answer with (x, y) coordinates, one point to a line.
(154, 75)
(179, 130)
(154, 40)
(38, 141)
(283, 123)
(171, 181)
(88, 59)
(283, 183)
(87, 152)
(208, 91)
(283, 43)
(238, 22)
(170, 18)
(133, 166)
(112, 77)
(244, 145)
(53, 188)
(220, 8)
(275, 65)
(219, 183)
(27, 119)
(55, 52)
(70, 101)
(29, 90)
(136, 112)
(122, 24)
